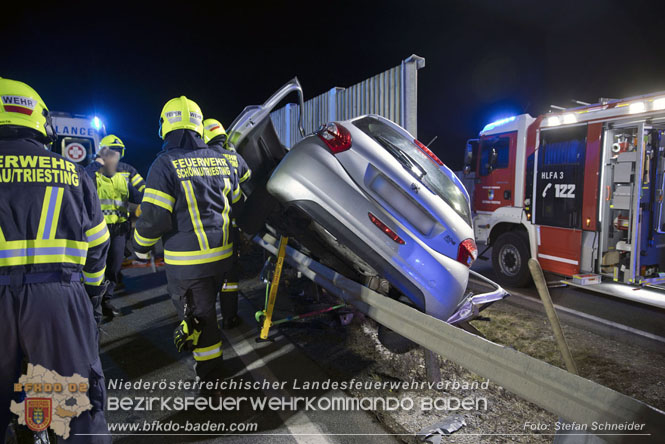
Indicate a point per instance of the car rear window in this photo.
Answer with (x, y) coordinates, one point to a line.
(417, 163)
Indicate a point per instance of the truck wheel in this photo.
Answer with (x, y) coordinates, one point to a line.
(510, 256)
(395, 342)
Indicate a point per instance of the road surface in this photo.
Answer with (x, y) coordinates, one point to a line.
(138, 347)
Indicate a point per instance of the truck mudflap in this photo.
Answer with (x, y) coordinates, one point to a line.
(474, 303)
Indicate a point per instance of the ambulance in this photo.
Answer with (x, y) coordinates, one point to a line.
(78, 136)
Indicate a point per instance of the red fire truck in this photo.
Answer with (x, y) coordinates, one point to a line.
(579, 189)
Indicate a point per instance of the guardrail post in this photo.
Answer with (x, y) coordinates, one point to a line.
(544, 293)
(432, 367)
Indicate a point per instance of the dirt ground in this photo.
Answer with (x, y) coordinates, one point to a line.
(627, 369)
(354, 351)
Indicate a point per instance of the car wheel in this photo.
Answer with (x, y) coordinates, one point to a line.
(510, 256)
(395, 342)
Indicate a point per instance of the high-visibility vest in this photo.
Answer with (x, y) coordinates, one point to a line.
(114, 196)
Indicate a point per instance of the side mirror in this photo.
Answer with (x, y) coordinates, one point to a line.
(492, 160)
(469, 155)
(493, 157)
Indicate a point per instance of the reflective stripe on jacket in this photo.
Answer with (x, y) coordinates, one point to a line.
(188, 201)
(50, 215)
(133, 177)
(236, 162)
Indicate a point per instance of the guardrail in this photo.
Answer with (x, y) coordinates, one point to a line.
(568, 396)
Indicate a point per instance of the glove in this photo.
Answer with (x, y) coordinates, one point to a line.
(186, 336)
(142, 256)
(95, 294)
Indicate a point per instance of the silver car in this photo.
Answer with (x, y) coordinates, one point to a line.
(367, 199)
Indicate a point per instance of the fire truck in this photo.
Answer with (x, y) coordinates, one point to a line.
(78, 136)
(581, 190)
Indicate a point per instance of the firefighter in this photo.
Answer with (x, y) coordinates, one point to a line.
(215, 136)
(53, 245)
(187, 201)
(117, 184)
(136, 181)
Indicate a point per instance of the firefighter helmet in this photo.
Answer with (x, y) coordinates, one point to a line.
(22, 107)
(112, 141)
(180, 113)
(211, 129)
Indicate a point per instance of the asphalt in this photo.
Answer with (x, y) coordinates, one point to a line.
(601, 313)
(137, 346)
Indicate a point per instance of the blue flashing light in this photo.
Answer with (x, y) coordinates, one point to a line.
(96, 123)
(491, 126)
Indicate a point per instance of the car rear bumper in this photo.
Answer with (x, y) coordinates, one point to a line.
(473, 304)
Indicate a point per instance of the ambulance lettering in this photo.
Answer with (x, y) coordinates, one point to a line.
(74, 131)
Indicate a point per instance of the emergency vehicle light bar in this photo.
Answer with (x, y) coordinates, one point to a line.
(491, 126)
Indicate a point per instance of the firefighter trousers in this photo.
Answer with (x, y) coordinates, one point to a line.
(52, 325)
(116, 256)
(199, 295)
(228, 294)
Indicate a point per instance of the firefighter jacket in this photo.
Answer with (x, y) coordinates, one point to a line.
(188, 202)
(115, 193)
(133, 177)
(235, 160)
(50, 216)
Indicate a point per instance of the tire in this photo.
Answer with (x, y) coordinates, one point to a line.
(395, 342)
(510, 256)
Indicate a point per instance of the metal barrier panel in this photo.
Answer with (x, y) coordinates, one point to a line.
(392, 94)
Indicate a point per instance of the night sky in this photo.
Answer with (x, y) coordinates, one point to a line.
(484, 59)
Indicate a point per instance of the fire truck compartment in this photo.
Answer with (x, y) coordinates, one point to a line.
(641, 295)
(580, 189)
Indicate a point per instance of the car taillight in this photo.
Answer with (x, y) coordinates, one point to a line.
(467, 252)
(427, 151)
(336, 137)
(387, 231)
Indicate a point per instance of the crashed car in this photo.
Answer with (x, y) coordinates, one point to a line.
(367, 199)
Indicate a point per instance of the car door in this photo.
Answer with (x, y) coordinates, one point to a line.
(495, 171)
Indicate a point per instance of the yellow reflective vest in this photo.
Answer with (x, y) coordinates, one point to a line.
(113, 194)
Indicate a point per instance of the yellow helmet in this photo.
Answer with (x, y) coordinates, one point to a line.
(211, 129)
(180, 113)
(22, 107)
(112, 141)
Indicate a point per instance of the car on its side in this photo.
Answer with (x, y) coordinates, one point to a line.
(370, 201)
